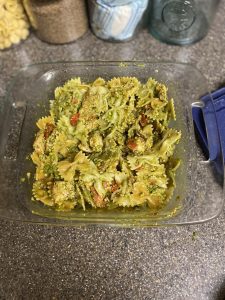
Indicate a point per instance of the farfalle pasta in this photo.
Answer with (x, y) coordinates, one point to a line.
(14, 26)
(106, 144)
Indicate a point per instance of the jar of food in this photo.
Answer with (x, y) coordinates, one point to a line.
(181, 21)
(14, 25)
(116, 20)
(57, 21)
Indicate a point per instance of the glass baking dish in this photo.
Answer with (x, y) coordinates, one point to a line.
(199, 193)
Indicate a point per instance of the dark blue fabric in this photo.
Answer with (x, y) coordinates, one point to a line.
(209, 121)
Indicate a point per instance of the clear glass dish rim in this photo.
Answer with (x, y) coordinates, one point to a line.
(79, 223)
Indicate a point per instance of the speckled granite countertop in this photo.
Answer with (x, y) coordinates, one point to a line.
(41, 262)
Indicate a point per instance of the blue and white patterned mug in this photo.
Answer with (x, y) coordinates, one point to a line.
(116, 20)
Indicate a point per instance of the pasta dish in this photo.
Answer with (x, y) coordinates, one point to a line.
(106, 144)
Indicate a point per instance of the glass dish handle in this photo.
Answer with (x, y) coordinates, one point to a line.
(12, 122)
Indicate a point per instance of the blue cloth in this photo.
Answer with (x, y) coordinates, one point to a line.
(209, 123)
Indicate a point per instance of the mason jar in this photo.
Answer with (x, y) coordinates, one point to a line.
(57, 21)
(181, 21)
